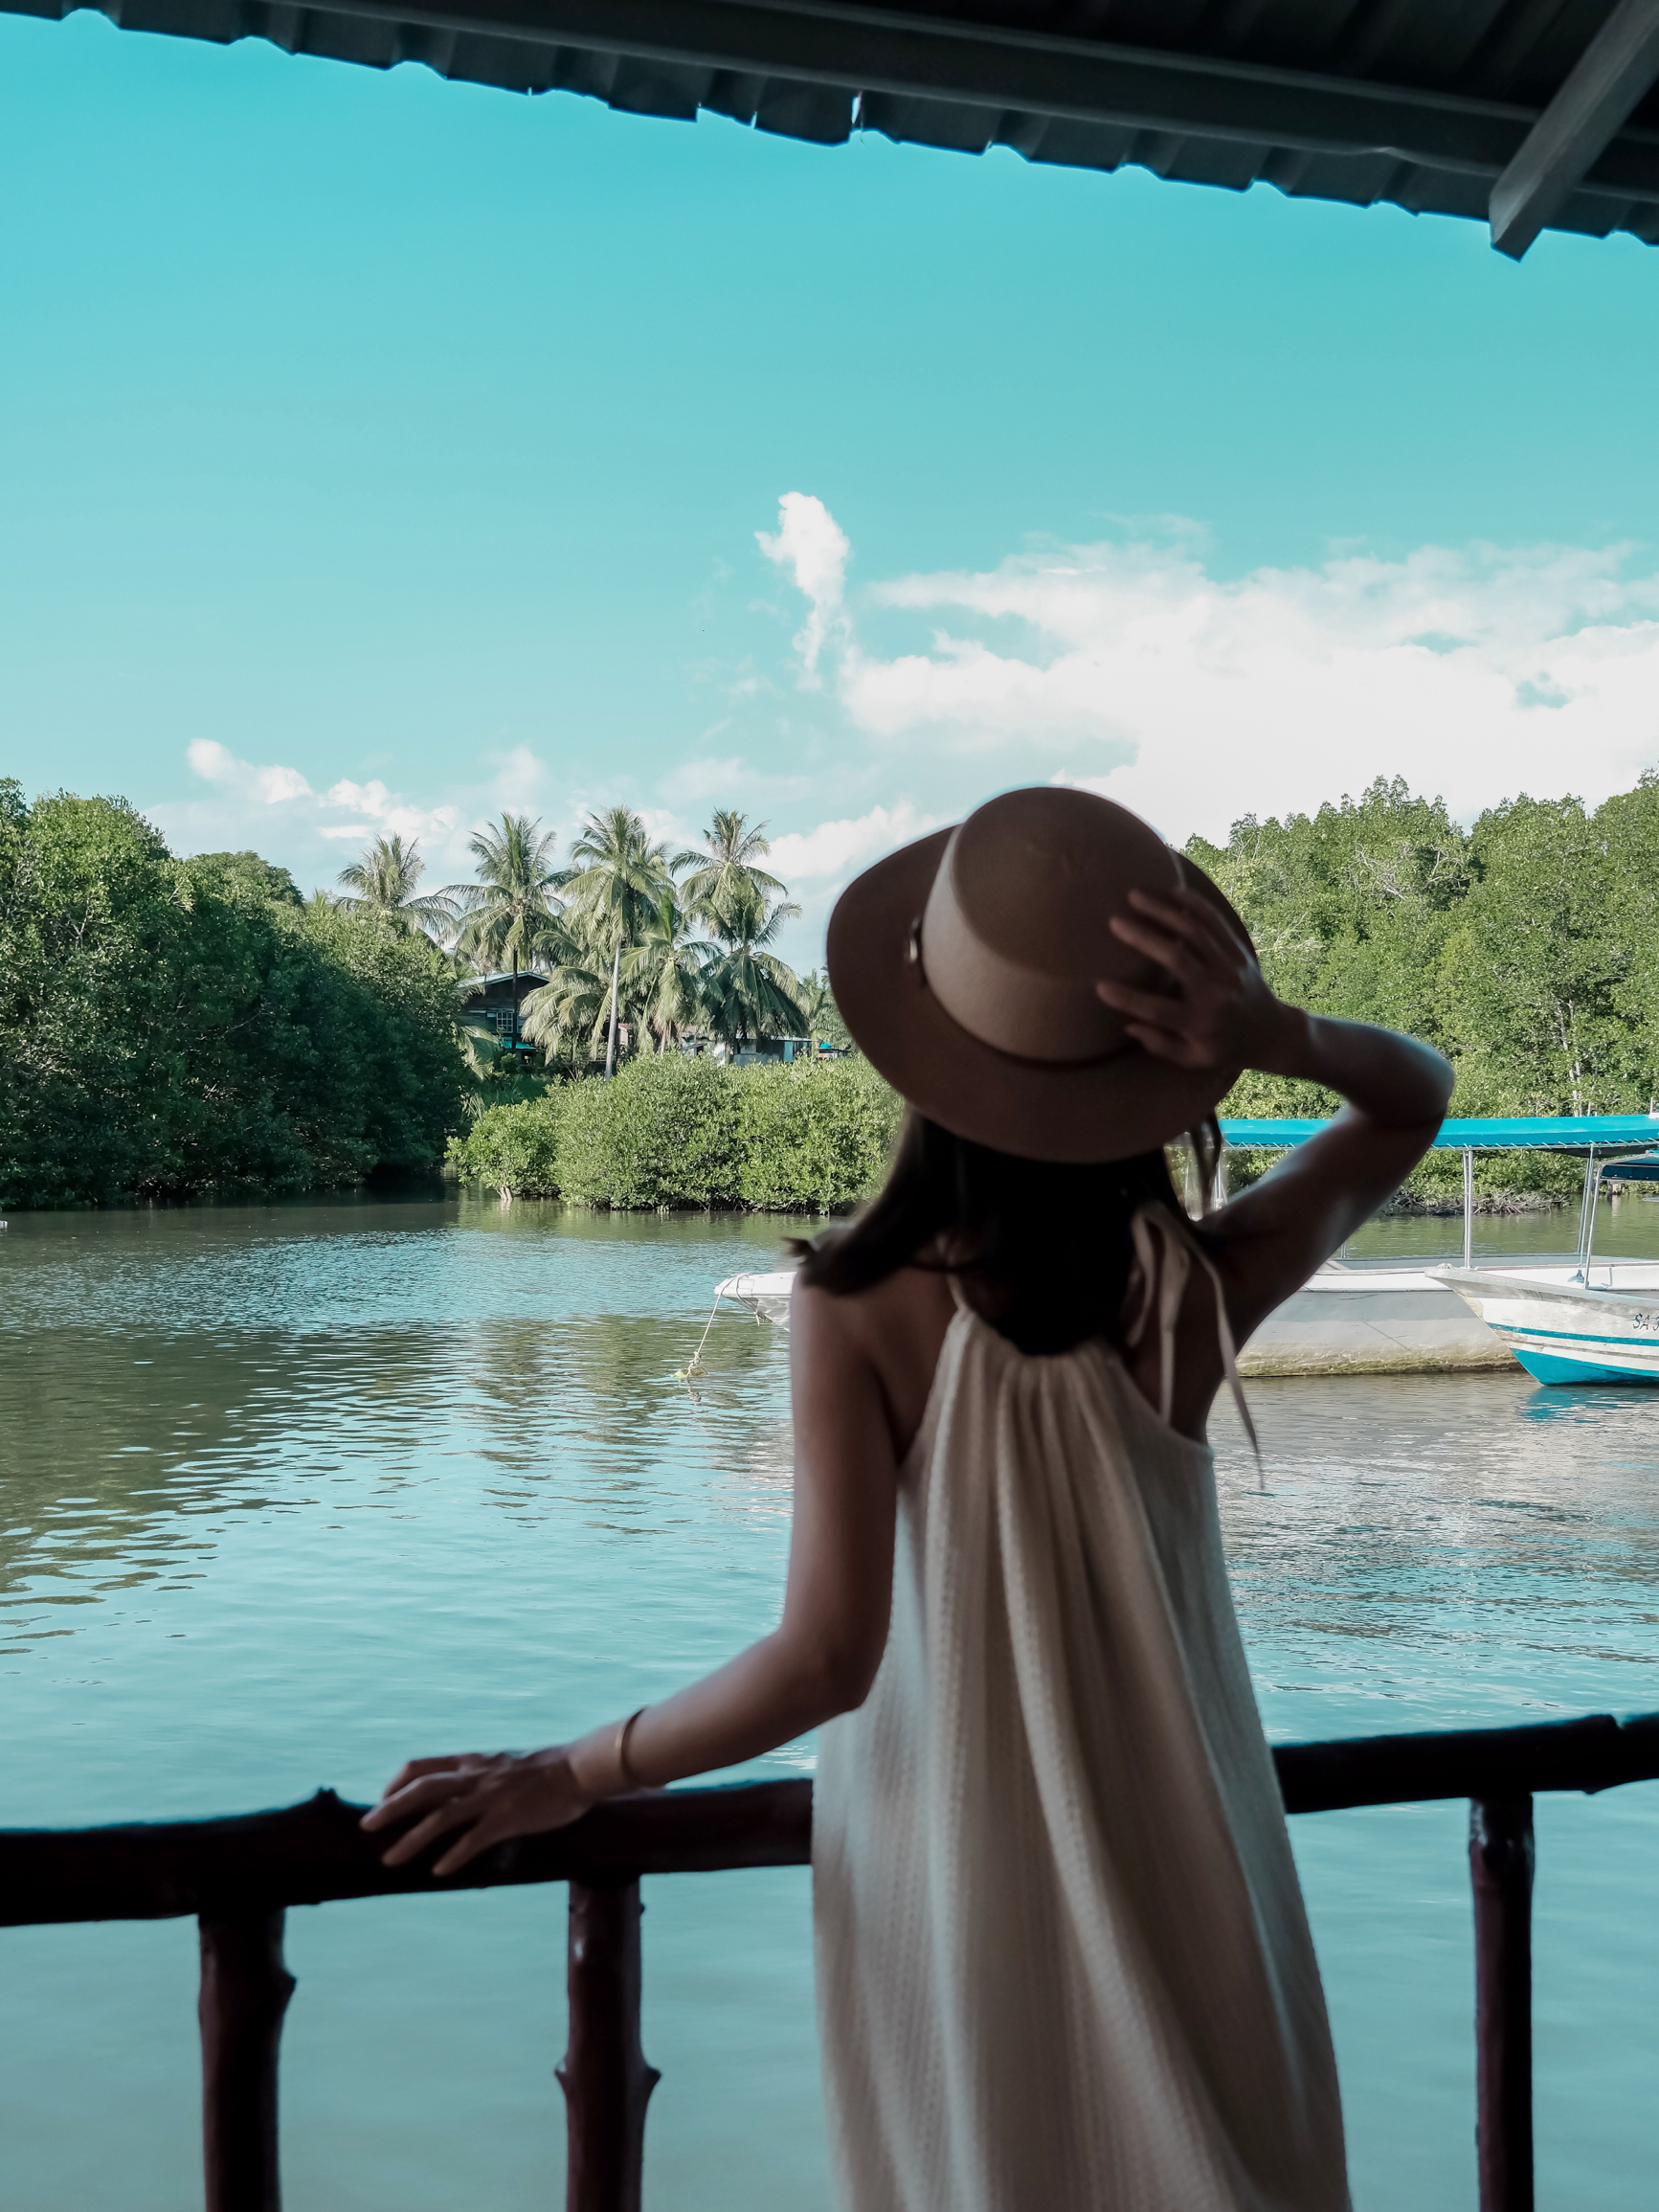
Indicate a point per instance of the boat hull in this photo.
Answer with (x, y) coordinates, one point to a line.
(1423, 1322)
(1371, 1321)
(765, 1296)
(1562, 1332)
(1359, 1321)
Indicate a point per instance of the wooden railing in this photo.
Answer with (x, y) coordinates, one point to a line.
(238, 1876)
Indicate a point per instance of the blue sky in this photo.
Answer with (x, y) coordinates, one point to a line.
(376, 452)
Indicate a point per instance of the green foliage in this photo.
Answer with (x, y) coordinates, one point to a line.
(1530, 979)
(726, 865)
(1526, 948)
(673, 1131)
(514, 1148)
(1350, 908)
(618, 877)
(665, 1131)
(499, 1077)
(815, 1137)
(170, 1027)
(395, 1059)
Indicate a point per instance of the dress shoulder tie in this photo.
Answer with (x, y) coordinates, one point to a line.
(1164, 1251)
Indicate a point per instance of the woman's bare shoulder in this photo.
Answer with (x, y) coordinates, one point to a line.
(914, 1296)
(896, 1328)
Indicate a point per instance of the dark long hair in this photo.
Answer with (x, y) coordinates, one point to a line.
(1043, 1251)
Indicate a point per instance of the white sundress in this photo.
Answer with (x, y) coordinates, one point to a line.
(1062, 1960)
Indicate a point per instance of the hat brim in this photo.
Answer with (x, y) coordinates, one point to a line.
(1071, 1115)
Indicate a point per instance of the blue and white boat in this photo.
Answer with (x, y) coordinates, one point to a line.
(1559, 1322)
(1562, 1330)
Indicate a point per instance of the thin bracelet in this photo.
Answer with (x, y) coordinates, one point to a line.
(622, 1765)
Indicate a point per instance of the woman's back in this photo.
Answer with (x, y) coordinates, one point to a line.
(899, 1325)
(1062, 1960)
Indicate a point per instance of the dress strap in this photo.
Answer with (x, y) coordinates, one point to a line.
(958, 1294)
(1164, 1251)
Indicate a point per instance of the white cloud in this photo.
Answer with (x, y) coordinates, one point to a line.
(1473, 673)
(270, 787)
(274, 807)
(694, 781)
(811, 545)
(837, 849)
(1129, 667)
(520, 778)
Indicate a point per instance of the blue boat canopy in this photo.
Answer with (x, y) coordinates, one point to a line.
(1503, 1133)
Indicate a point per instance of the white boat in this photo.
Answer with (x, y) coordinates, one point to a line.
(1347, 1320)
(1378, 1319)
(765, 1296)
(1564, 1330)
(1370, 1320)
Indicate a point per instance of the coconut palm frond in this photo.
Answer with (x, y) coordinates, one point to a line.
(615, 878)
(383, 885)
(509, 919)
(749, 990)
(568, 1016)
(725, 866)
(750, 918)
(822, 1016)
(666, 969)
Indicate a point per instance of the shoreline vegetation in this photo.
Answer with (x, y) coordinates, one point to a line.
(1525, 948)
(175, 1029)
(675, 1132)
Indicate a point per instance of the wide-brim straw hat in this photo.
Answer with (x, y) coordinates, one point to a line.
(964, 966)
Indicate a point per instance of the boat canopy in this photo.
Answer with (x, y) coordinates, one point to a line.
(1579, 1133)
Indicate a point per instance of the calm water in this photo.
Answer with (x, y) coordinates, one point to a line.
(292, 1493)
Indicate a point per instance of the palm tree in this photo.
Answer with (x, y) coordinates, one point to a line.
(385, 881)
(749, 991)
(511, 914)
(666, 969)
(726, 866)
(615, 879)
(819, 1012)
(570, 1010)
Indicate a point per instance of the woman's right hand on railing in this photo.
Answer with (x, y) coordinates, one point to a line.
(490, 1797)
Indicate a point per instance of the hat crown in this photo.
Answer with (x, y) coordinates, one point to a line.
(1016, 928)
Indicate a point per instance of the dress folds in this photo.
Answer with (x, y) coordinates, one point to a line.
(1063, 1959)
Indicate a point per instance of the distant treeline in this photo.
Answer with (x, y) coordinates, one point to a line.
(1525, 947)
(673, 1130)
(176, 1026)
(171, 1025)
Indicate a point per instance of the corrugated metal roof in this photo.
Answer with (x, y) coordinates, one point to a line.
(1423, 103)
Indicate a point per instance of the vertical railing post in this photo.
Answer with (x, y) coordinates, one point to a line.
(604, 2076)
(1500, 1861)
(244, 1993)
